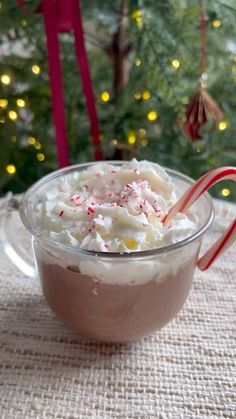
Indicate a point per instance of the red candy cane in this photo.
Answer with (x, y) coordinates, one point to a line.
(191, 195)
(218, 247)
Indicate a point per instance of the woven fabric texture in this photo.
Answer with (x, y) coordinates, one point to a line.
(186, 370)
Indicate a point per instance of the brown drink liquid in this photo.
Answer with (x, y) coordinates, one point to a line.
(115, 313)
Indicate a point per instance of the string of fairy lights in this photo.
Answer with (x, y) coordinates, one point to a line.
(133, 137)
(13, 115)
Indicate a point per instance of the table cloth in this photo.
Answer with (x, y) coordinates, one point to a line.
(186, 370)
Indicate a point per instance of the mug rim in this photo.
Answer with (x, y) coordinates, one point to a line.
(109, 255)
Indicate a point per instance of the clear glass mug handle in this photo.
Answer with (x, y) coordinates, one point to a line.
(16, 241)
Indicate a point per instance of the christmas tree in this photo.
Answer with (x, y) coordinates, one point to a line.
(145, 63)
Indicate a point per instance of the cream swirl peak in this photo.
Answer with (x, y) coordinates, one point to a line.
(113, 208)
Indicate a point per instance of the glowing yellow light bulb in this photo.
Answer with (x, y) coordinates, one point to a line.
(138, 61)
(21, 103)
(137, 13)
(152, 116)
(137, 16)
(146, 95)
(175, 64)
(31, 140)
(37, 145)
(222, 125)
(144, 142)
(142, 132)
(3, 103)
(131, 138)
(105, 96)
(114, 142)
(137, 95)
(40, 156)
(5, 79)
(216, 23)
(12, 115)
(225, 192)
(35, 69)
(11, 169)
(24, 23)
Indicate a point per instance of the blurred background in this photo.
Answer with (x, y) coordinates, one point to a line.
(145, 63)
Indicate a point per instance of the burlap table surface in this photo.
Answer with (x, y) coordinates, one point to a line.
(186, 370)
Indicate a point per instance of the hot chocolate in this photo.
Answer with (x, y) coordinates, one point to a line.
(101, 273)
(111, 312)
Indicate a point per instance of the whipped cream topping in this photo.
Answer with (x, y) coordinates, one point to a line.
(113, 208)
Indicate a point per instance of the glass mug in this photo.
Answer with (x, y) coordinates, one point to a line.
(107, 296)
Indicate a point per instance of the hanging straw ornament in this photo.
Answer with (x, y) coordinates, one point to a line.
(199, 110)
(201, 106)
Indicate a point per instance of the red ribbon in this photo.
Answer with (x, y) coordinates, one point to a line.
(55, 75)
(83, 65)
(65, 16)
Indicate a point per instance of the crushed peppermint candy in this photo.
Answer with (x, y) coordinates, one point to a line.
(90, 210)
(114, 208)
